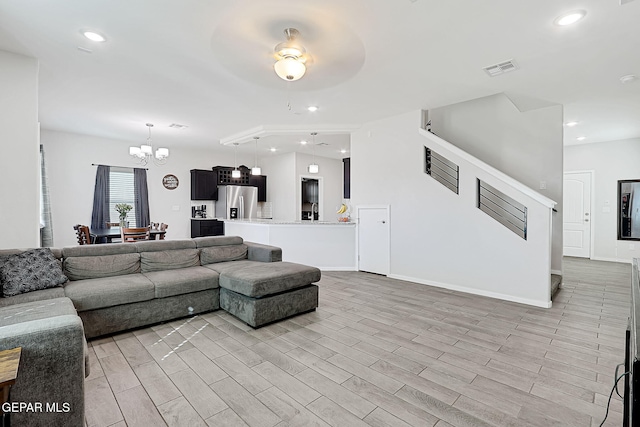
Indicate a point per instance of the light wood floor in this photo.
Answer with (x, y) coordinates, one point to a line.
(377, 352)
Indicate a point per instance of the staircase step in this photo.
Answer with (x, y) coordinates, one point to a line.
(556, 280)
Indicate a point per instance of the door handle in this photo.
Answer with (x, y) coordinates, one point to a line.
(384, 222)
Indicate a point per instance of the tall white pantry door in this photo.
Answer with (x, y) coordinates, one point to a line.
(577, 214)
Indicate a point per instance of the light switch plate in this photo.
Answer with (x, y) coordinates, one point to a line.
(543, 185)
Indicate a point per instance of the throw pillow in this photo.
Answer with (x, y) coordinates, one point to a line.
(30, 270)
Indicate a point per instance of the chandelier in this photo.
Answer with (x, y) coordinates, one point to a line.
(291, 57)
(144, 153)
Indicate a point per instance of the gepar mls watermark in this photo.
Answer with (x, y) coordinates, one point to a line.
(37, 407)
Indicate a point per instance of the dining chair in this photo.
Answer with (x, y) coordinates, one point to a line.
(84, 235)
(134, 234)
(113, 225)
(163, 227)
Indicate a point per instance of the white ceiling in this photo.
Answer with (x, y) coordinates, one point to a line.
(209, 64)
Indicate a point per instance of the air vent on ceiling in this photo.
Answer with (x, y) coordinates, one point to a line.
(177, 126)
(501, 68)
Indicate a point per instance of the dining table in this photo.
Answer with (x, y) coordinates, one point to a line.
(106, 235)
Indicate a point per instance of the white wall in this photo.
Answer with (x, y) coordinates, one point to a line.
(330, 177)
(525, 145)
(72, 178)
(284, 173)
(436, 236)
(20, 159)
(281, 184)
(610, 161)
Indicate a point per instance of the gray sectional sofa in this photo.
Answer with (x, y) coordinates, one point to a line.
(116, 287)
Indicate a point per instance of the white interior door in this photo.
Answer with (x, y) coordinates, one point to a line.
(373, 239)
(577, 214)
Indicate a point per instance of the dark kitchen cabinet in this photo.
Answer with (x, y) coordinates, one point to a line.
(346, 176)
(203, 185)
(223, 175)
(206, 227)
(260, 181)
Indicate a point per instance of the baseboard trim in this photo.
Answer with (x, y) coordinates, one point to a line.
(338, 268)
(496, 295)
(557, 272)
(622, 261)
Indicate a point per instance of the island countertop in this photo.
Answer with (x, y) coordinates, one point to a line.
(283, 222)
(328, 245)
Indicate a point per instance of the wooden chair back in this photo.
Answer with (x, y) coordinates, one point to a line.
(163, 227)
(134, 234)
(83, 234)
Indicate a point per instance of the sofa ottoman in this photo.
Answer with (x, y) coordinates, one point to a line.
(268, 292)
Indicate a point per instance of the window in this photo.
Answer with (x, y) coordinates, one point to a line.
(121, 190)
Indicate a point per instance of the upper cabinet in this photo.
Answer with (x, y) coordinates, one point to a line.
(259, 181)
(204, 185)
(223, 175)
(346, 176)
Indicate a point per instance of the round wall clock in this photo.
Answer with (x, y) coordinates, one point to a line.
(170, 182)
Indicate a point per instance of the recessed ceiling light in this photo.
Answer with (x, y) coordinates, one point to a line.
(570, 17)
(303, 142)
(343, 151)
(571, 124)
(581, 138)
(273, 148)
(312, 108)
(93, 36)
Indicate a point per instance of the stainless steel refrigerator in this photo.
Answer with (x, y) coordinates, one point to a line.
(237, 202)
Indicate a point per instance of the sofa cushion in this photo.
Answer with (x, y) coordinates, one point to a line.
(103, 292)
(36, 310)
(94, 267)
(97, 250)
(205, 242)
(268, 278)
(182, 281)
(212, 254)
(163, 245)
(41, 295)
(169, 260)
(30, 270)
(222, 267)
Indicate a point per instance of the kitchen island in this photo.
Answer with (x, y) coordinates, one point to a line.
(323, 244)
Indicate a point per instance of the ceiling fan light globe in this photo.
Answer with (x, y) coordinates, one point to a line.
(289, 69)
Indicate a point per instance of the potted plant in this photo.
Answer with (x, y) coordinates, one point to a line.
(123, 209)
